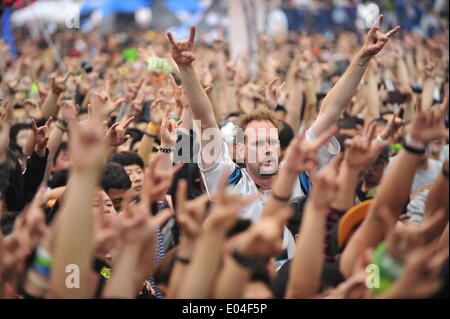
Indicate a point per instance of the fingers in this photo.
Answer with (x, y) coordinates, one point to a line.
(162, 217)
(371, 131)
(126, 204)
(34, 126)
(107, 88)
(392, 32)
(419, 104)
(181, 194)
(170, 37)
(114, 127)
(126, 123)
(192, 34)
(49, 121)
(376, 26)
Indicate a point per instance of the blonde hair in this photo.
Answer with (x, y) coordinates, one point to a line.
(259, 114)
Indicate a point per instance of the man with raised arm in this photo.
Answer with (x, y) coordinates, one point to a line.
(260, 146)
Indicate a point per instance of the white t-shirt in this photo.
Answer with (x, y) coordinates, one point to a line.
(246, 185)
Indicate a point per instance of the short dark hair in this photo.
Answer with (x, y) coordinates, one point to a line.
(59, 179)
(127, 159)
(286, 135)
(15, 129)
(115, 176)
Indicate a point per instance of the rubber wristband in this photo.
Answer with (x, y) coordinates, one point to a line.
(416, 144)
(165, 150)
(61, 128)
(42, 270)
(152, 135)
(412, 149)
(152, 127)
(62, 122)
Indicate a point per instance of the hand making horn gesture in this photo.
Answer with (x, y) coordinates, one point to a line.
(183, 50)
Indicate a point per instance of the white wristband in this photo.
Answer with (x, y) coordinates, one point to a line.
(412, 142)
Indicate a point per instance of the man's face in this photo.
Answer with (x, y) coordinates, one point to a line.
(62, 161)
(262, 148)
(116, 196)
(136, 175)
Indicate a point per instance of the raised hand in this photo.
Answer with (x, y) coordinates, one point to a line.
(362, 150)
(32, 108)
(429, 124)
(41, 136)
(421, 275)
(138, 236)
(376, 40)
(58, 85)
(226, 208)
(68, 111)
(157, 180)
(264, 238)
(403, 238)
(392, 127)
(88, 143)
(302, 153)
(190, 214)
(326, 184)
(183, 50)
(102, 100)
(168, 128)
(116, 133)
(273, 92)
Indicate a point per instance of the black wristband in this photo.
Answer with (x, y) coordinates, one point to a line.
(62, 122)
(245, 261)
(149, 134)
(412, 150)
(181, 259)
(165, 150)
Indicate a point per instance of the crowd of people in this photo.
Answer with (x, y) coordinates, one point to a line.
(174, 173)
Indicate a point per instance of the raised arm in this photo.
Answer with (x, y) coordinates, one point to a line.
(394, 191)
(206, 259)
(306, 267)
(340, 95)
(183, 55)
(88, 151)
